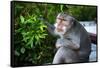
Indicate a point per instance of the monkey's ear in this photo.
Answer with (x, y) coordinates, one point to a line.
(74, 21)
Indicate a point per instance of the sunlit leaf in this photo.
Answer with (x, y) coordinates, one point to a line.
(61, 8)
(19, 30)
(41, 28)
(34, 18)
(22, 50)
(17, 53)
(31, 44)
(22, 19)
(37, 37)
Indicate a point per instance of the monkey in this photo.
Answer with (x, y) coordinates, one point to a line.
(74, 44)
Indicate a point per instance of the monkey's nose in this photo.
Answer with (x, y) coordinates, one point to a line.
(60, 26)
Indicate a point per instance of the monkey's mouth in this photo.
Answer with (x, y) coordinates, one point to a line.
(60, 30)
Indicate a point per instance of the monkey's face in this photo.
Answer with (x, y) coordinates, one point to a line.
(62, 25)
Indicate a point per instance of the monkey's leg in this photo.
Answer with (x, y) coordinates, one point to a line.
(58, 58)
(71, 56)
(84, 56)
(65, 55)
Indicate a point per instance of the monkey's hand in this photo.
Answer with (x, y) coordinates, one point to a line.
(67, 43)
(59, 43)
(71, 44)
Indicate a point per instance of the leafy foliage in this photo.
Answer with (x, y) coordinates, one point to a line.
(32, 30)
(33, 45)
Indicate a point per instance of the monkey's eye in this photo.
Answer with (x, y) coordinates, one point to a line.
(65, 23)
(58, 20)
(64, 20)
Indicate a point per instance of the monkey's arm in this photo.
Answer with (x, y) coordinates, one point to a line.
(67, 43)
(71, 44)
(50, 28)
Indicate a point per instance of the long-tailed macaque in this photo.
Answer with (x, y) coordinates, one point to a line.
(74, 43)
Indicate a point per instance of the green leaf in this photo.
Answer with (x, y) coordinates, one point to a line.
(17, 53)
(61, 8)
(19, 30)
(26, 38)
(31, 44)
(34, 18)
(22, 19)
(41, 28)
(29, 21)
(37, 37)
(45, 34)
(23, 50)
